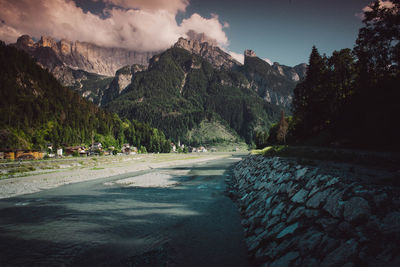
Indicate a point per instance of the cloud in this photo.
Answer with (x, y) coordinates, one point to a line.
(382, 4)
(8, 34)
(268, 61)
(211, 27)
(172, 6)
(237, 56)
(141, 25)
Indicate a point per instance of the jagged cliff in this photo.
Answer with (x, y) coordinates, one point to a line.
(123, 78)
(209, 51)
(274, 83)
(81, 55)
(274, 86)
(84, 67)
(89, 68)
(295, 73)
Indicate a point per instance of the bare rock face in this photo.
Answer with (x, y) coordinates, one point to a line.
(249, 53)
(84, 67)
(25, 42)
(274, 83)
(208, 50)
(301, 70)
(269, 83)
(81, 55)
(123, 78)
(295, 73)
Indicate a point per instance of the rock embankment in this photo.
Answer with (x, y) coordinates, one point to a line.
(297, 215)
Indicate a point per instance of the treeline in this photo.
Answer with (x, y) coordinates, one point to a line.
(180, 90)
(35, 109)
(352, 98)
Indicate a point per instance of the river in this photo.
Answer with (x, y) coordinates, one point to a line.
(103, 223)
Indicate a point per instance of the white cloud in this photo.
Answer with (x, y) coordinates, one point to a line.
(268, 61)
(211, 27)
(237, 56)
(143, 25)
(8, 34)
(172, 6)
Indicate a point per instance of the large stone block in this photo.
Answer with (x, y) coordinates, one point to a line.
(334, 204)
(300, 197)
(356, 208)
(316, 200)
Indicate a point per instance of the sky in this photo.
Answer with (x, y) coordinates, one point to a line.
(281, 31)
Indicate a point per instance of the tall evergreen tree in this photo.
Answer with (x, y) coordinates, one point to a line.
(310, 95)
(282, 129)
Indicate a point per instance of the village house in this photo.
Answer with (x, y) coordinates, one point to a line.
(96, 146)
(202, 149)
(59, 152)
(81, 150)
(126, 149)
(173, 147)
(21, 154)
(9, 155)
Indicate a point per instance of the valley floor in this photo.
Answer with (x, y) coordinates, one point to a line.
(54, 173)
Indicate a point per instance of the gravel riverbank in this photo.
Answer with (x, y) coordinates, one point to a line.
(84, 169)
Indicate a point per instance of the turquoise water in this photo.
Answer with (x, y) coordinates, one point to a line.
(102, 223)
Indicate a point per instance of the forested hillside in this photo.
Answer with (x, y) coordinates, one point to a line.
(35, 109)
(181, 89)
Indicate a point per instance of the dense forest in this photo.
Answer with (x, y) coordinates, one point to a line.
(35, 109)
(351, 98)
(180, 90)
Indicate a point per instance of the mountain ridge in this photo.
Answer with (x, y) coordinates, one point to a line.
(81, 55)
(78, 64)
(180, 89)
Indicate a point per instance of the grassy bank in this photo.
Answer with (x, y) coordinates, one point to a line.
(309, 154)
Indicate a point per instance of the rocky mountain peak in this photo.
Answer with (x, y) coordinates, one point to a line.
(249, 53)
(81, 55)
(25, 41)
(201, 38)
(206, 48)
(47, 41)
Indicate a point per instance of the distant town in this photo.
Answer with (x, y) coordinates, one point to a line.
(95, 149)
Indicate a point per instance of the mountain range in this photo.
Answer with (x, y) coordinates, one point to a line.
(84, 67)
(176, 90)
(35, 109)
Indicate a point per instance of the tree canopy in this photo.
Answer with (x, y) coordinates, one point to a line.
(351, 98)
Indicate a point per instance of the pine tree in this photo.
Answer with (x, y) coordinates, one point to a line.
(282, 129)
(309, 96)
